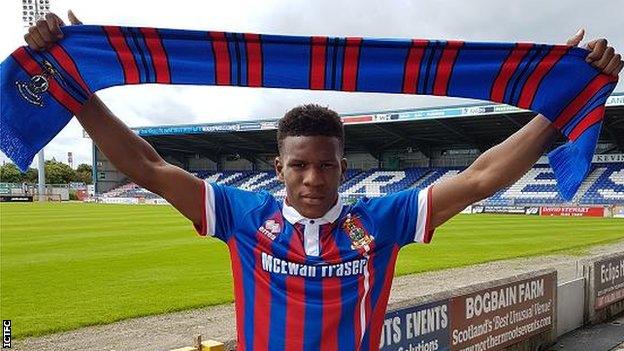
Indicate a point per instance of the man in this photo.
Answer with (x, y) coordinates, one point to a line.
(310, 272)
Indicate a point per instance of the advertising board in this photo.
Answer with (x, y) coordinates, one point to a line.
(572, 211)
(499, 209)
(531, 211)
(487, 319)
(422, 327)
(608, 281)
(494, 318)
(16, 198)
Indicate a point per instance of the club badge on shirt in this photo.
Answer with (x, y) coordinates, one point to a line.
(360, 239)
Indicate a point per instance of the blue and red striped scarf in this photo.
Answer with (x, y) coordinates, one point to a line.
(41, 91)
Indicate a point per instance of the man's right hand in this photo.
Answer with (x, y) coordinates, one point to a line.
(47, 31)
(128, 152)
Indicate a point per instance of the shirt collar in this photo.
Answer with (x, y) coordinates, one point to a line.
(293, 216)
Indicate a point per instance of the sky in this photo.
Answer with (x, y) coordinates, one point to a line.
(552, 21)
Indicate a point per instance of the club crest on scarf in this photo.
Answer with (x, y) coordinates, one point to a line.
(360, 239)
(32, 91)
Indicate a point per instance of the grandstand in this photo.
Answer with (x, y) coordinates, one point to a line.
(386, 152)
(604, 185)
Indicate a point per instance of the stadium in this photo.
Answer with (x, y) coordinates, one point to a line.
(138, 251)
(386, 151)
(121, 269)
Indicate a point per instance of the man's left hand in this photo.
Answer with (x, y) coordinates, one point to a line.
(602, 56)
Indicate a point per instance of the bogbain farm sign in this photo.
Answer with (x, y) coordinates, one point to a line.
(494, 318)
(485, 320)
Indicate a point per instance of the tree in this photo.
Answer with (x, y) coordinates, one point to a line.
(31, 176)
(84, 173)
(55, 172)
(9, 173)
(83, 167)
(58, 172)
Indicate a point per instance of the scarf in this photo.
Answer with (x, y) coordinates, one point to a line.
(41, 91)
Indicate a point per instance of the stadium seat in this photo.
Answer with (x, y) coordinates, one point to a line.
(603, 186)
(608, 188)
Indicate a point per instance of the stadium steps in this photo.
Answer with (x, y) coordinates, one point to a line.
(604, 185)
(224, 177)
(608, 188)
(536, 187)
(381, 182)
(422, 179)
(435, 176)
(355, 179)
(588, 182)
(371, 177)
(260, 181)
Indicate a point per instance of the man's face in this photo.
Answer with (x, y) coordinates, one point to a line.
(311, 167)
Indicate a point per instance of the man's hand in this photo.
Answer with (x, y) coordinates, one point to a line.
(505, 163)
(128, 152)
(601, 56)
(47, 31)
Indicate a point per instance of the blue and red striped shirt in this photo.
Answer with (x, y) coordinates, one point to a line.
(312, 284)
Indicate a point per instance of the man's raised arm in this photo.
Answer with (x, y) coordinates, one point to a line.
(506, 162)
(130, 154)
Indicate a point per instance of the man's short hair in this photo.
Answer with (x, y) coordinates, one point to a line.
(310, 120)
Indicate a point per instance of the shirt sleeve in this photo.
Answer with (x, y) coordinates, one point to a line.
(224, 209)
(403, 217)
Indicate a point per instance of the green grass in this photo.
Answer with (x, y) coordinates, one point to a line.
(470, 239)
(64, 266)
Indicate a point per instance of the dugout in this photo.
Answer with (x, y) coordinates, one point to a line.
(450, 136)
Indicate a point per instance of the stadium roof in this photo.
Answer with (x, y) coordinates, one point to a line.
(464, 126)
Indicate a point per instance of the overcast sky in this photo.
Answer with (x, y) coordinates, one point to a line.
(550, 21)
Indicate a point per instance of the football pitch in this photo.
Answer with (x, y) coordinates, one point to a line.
(68, 265)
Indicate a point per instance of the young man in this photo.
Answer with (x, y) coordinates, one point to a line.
(311, 273)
